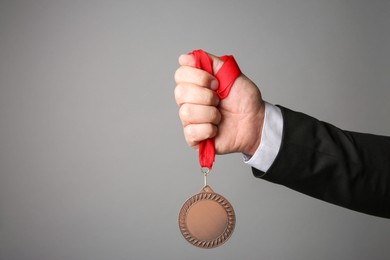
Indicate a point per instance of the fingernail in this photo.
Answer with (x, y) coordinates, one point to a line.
(214, 84)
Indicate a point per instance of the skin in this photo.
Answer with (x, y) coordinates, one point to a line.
(236, 122)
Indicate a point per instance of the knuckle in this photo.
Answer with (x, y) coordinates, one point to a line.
(204, 79)
(207, 97)
(185, 112)
(187, 131)
(215, 115)
(178, 74)
(179, 93)
(189, 134)
(211, 131)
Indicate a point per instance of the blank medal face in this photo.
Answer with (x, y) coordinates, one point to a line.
(206, 219)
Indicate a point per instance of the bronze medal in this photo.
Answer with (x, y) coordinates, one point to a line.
(207, 219)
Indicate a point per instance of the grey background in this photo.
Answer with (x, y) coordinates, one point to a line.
(93, 163)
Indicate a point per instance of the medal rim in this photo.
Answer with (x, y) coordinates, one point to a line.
(202, 196)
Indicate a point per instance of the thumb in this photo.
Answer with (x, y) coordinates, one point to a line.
(189, 60)
(217, 63)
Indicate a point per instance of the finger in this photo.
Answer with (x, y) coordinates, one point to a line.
(195, 133)
(194, 94)
(199, 114)
(187, 60)
(186, 74)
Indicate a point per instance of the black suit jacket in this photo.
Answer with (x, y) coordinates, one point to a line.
(345, 168)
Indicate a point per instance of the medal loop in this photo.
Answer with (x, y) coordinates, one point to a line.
(205, 172)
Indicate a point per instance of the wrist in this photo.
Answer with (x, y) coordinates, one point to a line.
(254, 136)
(271, 138)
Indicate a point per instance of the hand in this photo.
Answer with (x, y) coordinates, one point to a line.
(236, 121)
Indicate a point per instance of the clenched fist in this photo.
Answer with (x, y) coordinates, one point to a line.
(236, 121)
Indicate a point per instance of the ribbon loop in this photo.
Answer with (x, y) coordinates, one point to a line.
(226, 76)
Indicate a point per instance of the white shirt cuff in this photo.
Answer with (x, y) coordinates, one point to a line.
(271, 138)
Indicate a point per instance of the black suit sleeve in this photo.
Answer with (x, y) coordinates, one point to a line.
(345, 168)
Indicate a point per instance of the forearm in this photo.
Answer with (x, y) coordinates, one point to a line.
(344, 168)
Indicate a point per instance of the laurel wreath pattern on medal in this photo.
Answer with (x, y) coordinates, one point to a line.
(231, 220)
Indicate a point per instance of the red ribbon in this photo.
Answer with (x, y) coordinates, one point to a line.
(226, 76)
